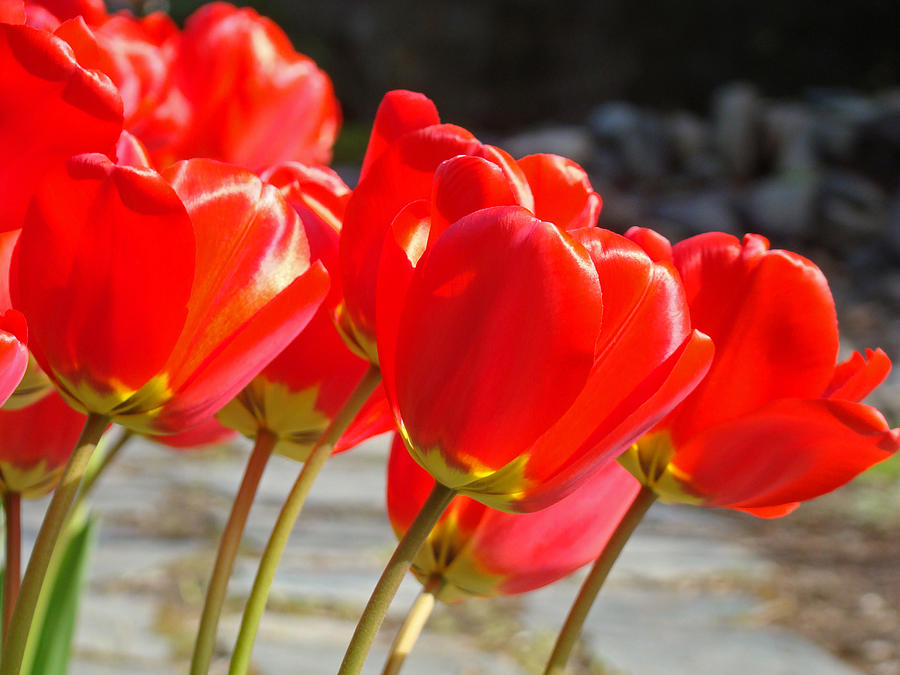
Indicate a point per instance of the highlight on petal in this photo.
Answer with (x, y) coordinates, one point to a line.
(790, 450)
(483, 312)
(562, 191)
(13, 353)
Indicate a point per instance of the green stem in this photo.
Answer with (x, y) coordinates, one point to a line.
(96, 468)
(412, 626)
(290, 511)
(575, 620)
(14, 648)
(12, 502)
(393, 574)
(228, 548)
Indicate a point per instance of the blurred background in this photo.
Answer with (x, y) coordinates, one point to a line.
(775, 117)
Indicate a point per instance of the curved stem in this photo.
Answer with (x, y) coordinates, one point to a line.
(14, 647)
(228, 548)
(290, 511)
(571, 629)
(393, 574)
(95, 468)
(412, 627)
(12, 574)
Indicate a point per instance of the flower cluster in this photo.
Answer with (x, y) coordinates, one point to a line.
(176, 259)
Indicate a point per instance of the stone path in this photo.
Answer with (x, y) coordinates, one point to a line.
(684, 598)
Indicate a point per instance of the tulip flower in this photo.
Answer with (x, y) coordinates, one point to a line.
(51, 108)
(155, 299)
(775, 422)
(406, 147)
(253, 99)
(35, 444)
(475, 550)
(509, 349)
(299, 393)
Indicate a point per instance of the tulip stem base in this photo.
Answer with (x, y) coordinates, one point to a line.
(228, 548)
(12, 502)
(393, 574)
(20, 625)
(412, 627)
(571, 629)
(290, 511)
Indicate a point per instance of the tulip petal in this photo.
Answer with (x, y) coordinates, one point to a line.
(399, 113)
(772, 318)
(103, 270)
(13, 353)
(562, 191)
(375, 417)
(50, 109)
(787, 451)
(483, 366)
(857, 377)
(654, 244)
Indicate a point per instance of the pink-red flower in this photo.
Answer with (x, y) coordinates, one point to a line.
(775, 422)
(298, 394)
(154, 299)
(475, 550)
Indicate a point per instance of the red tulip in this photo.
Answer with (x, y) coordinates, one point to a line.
(154, 299)
(253, 99)
(518, 357)
(775, 422)
(407, 146)
(209, 432)
(35, 444)
(298, 394)
(50, 109)
(475, 550)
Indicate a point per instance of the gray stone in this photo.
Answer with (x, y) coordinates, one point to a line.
(711, 210)
(783, 204)
(690, 140)
(790, 133)
(638, 137)
(737, 117)
(574, 142)
(839, 116)
(853, 207)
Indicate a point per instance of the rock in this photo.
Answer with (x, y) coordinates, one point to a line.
(737, 117)
(574, 142)
(839, 115)
(892, 225)
(878, 145)
(688, 136)
(784, 204)
(790, 131)
(853, 208)
(702, 212)
(637, 137)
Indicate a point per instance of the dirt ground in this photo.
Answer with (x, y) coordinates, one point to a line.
(839, 570)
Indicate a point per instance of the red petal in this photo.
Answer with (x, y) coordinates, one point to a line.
(562, 191)
(654, 244)
(374, 418)
(52, 108)
(772, 319)
(857, 377)
(93, 11)
(13, 355)
(399, 113)
(131, 152)
(786, 451)
(483, 366)
(12, 11)
(208, 432)
(401, 175)
(463, 185)
(103, 271)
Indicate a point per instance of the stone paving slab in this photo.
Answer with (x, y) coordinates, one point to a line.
(676, 603)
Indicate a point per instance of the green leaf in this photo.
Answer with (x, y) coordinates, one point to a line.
(53, 635)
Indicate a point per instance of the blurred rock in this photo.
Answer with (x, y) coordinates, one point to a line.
(689, 137)
(839, 115)
(637, 136)
(737, 117)
(790, 132)
(878, 145)
(853, 207)
(569, 141)
(783, 204)
(704, 212)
